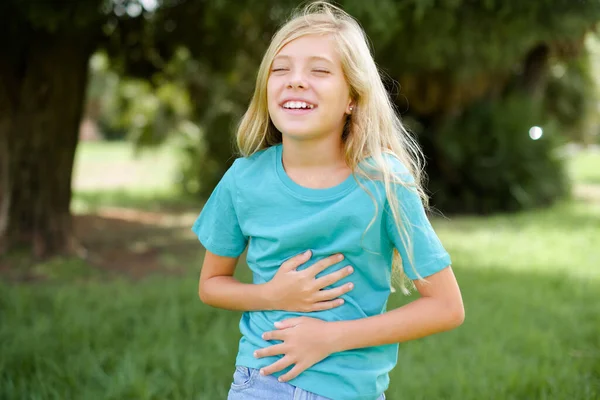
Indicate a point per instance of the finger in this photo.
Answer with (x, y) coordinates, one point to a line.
(327, 305)
(273, 335)
(274, 350)
(278, 365)
(289, 323)
(296, 261)
(291, 374)
(323, 264)
(333, 277)
(334, 293)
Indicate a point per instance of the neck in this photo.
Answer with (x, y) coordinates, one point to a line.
(322, 152)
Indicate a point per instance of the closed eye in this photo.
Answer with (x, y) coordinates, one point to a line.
(321, 71)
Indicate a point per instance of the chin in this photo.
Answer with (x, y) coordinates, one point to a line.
(299, 133)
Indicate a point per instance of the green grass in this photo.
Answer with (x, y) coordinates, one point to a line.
(584, 167)
(90, 153)
(116, 167)
(114, 174)
(530, 282)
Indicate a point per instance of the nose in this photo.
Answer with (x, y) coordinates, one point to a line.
(296, 81)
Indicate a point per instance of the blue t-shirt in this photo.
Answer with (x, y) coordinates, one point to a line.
(256, 204)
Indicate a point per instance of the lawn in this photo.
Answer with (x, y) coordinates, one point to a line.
(126, 323)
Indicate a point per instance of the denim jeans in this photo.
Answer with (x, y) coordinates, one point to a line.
(248, 384)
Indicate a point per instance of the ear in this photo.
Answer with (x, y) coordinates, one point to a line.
(350, 107)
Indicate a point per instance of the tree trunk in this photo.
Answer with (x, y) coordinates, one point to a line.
(42, 92)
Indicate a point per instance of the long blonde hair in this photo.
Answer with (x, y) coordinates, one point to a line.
(373, 131)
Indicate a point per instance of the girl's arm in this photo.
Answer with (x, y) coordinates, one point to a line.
(289, 290)
(440, 308)
(218, 288)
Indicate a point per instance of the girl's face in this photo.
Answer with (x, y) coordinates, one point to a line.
(308, 96)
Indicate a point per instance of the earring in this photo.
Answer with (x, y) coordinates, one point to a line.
(351, 108)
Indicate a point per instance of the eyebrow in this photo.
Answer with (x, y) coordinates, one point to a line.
(312, 58)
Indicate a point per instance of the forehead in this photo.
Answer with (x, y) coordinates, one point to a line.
(310, 47)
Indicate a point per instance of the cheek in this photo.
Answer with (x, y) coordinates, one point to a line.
(269, 91)
(271, 97)
(337, 95)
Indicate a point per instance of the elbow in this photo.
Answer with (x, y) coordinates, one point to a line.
(456, 315)
(205, 298)
(203, 294)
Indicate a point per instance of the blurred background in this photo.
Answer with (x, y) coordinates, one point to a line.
(116, 121)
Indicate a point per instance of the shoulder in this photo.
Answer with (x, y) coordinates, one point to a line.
(398, 168)
(404, 189)
(398, 171)
(249, 167)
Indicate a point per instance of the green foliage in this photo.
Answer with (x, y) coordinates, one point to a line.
(147, 112)
(573, 93)
(488, 162)
(448, 56)
(462, 37)
(453, 59)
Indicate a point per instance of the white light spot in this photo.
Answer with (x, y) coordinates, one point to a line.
(149, 5)
(536, 132)
(134, 9)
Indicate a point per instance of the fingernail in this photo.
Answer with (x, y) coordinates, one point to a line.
(277, 324)
(307, 253)
(350, 285)
(280, 379)
(255, 354)
(341, 301)
(340, 257)
(350, 269)
(262, 372)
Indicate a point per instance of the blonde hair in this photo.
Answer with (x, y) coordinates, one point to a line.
(373, 131)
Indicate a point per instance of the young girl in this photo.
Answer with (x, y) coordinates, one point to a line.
(328, 199)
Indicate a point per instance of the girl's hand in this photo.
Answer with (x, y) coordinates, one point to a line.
(306, 341)
(301, 291)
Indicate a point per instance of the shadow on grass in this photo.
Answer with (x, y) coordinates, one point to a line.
(115, 242)
(526, 336)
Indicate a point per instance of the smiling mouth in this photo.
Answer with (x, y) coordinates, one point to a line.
(298, 105)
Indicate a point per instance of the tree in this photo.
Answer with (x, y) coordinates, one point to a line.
(43, 75)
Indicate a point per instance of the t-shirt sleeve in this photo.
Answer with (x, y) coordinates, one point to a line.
(217, 226)
(429, 256)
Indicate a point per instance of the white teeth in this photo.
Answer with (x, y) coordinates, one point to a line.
(298, 105)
